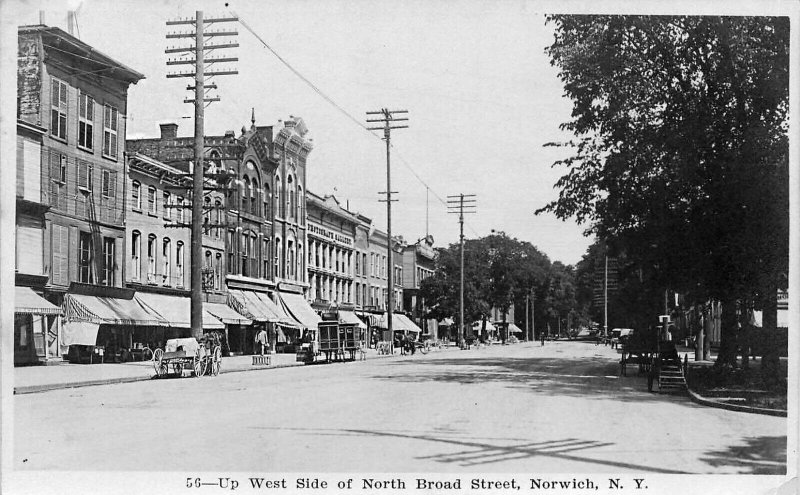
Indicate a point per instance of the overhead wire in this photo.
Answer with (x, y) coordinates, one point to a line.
(333, 103)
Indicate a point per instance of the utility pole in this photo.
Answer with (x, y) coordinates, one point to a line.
(605, 301)
(201, 70)
(387, 117)
(461, 204)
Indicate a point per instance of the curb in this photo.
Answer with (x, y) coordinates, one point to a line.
(695, 397)
(34, 389)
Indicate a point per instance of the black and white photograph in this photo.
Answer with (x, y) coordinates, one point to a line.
(406, 247)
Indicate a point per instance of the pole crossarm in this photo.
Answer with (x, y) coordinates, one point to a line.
(201, 71)
(388, 117)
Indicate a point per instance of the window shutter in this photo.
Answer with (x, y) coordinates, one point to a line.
(112, 185)
(83, 173)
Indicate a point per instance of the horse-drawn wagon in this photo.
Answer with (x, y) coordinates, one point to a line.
(200, 357)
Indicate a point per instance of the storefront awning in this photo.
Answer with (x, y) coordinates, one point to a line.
(478, 325)
(79, 333)
(350, 317)
(298, 308)
(29, 302)
(400, 323)
(283, 318)
(176, 310)
(512, 328)
(248, 304)
(226, 314)
(109, 310)
(409, 325)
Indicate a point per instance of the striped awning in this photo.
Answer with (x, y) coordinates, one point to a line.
(226, 314)
(248, 304)
(175, 310)
(257, 306)
(109, 310)
(298, 308)
(28, 302)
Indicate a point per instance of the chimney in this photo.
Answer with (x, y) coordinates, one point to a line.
(169, 131)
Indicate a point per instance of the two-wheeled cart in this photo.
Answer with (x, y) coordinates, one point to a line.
(201, 358)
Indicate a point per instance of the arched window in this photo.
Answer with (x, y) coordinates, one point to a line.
(300, 259)
(207, 215)
(218, 272)
(151, 258)
(254, 196)
(291, 199)
(289, 259)
(278, 257)
(244, 194)
(218, 210)
(245, 253)
(300, 205)
(165, 255)
(278, 196)
(136, 250)
(179, 264)
(267, 200)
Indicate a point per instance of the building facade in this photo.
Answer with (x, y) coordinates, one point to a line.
(419, 263)
(332, 255)
(71, 107)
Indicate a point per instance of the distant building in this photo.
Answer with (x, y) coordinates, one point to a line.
(419, 263)
(71, 107)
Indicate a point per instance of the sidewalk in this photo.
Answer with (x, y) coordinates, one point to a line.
(723, 401)
(33, 379)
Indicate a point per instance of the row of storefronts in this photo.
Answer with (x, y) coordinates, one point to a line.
(103, 246)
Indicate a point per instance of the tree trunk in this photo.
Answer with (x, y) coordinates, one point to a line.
(504, 328)
(770, 362)
(727, 348)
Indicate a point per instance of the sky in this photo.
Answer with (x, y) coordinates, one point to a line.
(481, 95)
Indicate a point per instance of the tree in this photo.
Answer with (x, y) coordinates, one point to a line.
(498, 271)
(681, 150)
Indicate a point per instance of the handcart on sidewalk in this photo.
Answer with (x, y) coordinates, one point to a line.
(200, 357)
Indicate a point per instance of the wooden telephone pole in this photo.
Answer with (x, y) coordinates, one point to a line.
(387, 117)
(461, 204)
(202, 69)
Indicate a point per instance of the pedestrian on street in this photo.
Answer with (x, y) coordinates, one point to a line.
(261, 339)
(542, 337)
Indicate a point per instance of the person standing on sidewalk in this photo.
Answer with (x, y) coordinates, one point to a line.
(261, 340)
(542, 337)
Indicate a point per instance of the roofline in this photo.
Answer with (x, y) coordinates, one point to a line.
(132, 75)
(156, 163)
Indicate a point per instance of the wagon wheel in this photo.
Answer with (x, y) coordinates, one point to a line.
(198, 366)
(424, 348)
(216, 361)
(159, 366)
